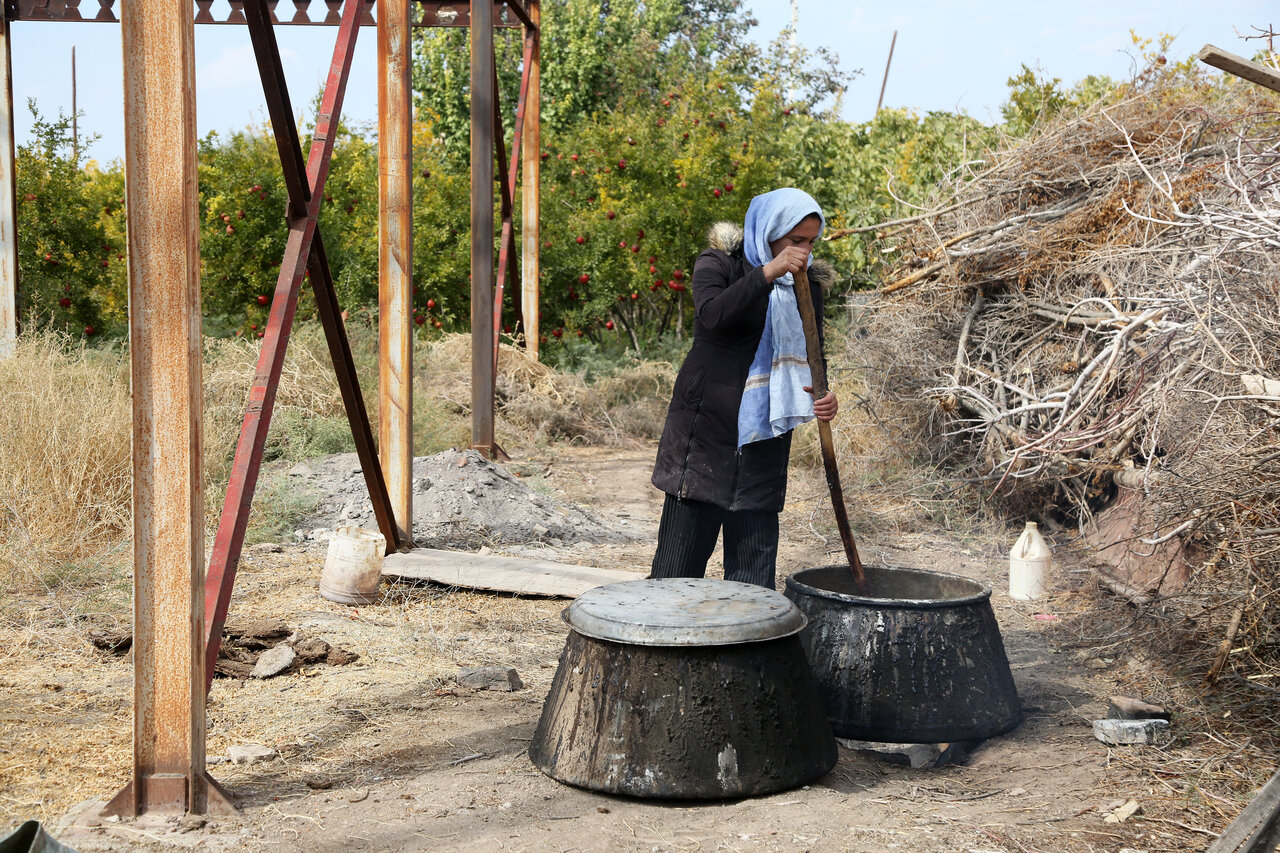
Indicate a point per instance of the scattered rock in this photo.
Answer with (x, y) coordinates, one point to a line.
(191, 822)
(311, 650)
(274, 661)
(117, 642)
(1129, 708)
(251, 753)
(265, 548)
(1119, 732)
(914, 755)
(340, 657)
(501, 678)
(232, 668)
(259, 633)
(1124, 812)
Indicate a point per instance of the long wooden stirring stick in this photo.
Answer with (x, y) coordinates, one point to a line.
(813, 345)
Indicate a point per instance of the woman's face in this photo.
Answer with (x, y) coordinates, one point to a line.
(804, 235)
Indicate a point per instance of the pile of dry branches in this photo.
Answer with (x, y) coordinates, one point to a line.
(1098, 304)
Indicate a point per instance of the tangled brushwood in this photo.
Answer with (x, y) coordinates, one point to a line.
(1093, 309)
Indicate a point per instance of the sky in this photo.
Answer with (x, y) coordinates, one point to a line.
(950, 55)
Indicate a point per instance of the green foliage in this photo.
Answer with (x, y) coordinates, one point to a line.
(1032, 99)
(243, 207)
(242, 233)
(70, 262)
(595, 53)
(660, 119)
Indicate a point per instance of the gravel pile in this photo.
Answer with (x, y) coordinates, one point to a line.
(460, 500)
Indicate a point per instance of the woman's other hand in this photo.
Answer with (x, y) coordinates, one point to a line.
(791, 259)
(826, 408)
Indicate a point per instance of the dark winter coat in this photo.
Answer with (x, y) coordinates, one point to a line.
(698, 457)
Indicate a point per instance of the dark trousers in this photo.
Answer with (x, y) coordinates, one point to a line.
(687, 535)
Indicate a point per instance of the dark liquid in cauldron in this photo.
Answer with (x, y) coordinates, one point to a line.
(886, 585)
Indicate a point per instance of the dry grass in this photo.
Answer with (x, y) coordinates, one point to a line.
(65, 462)
(537, 404)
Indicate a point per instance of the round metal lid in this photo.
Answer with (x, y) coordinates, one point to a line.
(684, 612)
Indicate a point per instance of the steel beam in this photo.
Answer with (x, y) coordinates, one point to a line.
(330, 313)
(395, 259)
(435, 13)
(483, 88)
(8, 202)
(298, 254)
(165, 356)
(294, 169)
(529, 187)
(507, 174)
(520, 12)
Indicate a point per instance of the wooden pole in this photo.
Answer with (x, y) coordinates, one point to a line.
(8, 202)
(158, 38)
(483, 88)
(885, 81)
(818, 380)
(75, 127)
(530, 190)
(395, 260)
(1254, 72)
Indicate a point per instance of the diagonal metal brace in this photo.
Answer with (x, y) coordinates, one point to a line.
(302, 250)
(507, 176)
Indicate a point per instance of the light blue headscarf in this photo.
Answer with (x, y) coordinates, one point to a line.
(774, 400)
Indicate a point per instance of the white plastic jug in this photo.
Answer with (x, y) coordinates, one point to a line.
(1029, 564)
(354, 566)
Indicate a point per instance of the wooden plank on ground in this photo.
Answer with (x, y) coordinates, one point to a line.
(1256, 827)
(502, 574)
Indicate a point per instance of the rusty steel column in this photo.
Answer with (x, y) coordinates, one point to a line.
(530, 192)
(483, 97)
(8, 202)
(395, 260)
(168, 490)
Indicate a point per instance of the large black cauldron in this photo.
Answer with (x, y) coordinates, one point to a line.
(918, 660)
(683, 688)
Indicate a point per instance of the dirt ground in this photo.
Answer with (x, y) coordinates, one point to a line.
(389, 753)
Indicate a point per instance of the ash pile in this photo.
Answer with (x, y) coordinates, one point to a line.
(460, 500)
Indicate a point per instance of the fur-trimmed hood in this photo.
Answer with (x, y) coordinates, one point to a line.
(727, 237)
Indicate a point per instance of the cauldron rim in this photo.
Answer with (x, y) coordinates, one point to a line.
(684, 612)
(682, 642)
(982, 593)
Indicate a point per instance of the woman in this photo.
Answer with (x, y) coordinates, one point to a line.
(722, 459)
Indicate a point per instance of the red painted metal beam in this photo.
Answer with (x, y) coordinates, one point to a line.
(293, 167)
(298, 250)
(507, 177)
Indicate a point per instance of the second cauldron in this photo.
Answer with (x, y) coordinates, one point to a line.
(917, 660)
(683, 688)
